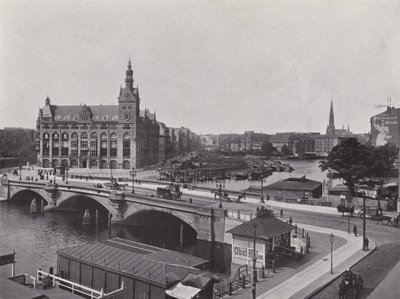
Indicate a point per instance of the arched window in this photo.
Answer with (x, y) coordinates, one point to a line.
(126, 164)
(93, 136)
(103, 145)
(46, 163)
(55, 136)
(74, 163)
(64, 144)
(93, 164)
(74, 135)
(46, 136)
(126, 145)
(103, 164)
(113, 145)
(84, 135)
(113, 164)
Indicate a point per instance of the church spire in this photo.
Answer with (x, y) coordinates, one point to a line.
(129, 76)
(330, 130)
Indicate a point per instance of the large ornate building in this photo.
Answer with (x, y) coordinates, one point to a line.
(99, 136)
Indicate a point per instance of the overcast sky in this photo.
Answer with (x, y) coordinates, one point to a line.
(213, 66)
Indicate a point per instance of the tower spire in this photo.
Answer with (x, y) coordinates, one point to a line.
(330, 130)
(129, 76)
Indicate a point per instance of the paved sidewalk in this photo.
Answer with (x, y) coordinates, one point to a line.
(318, 274)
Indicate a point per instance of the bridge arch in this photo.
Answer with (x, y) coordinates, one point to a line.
(84, 201)
(163, 225)
(26, 194)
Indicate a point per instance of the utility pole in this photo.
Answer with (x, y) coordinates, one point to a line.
(364, 224)
(253, 291)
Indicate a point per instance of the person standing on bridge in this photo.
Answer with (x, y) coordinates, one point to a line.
(281, 214)
(355, 230)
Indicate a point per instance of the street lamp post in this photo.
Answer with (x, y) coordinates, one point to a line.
(133, 174)
(331, 239)
(253, 291)
(348, 222)
(111, 172)
(220, 186)
(364, 224)
(20, 172)
(262, 191)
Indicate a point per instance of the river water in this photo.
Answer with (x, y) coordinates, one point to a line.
(309, 168)
(36, 237)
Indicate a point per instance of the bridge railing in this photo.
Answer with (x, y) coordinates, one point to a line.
(238, 214)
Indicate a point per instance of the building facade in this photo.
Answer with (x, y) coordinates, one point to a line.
(385, 127)
(117, 136)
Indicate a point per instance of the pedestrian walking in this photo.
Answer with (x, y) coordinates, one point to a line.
(355, 230)
(290, 220)
(190, 199)
(281, 214)
(366, 244)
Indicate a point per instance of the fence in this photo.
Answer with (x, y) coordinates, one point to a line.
(73, 287)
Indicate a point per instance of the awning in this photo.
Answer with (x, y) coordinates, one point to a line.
(181, 291)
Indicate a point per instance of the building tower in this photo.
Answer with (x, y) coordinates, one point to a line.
(330, 129)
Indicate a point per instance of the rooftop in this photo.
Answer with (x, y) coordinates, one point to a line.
(267, 227)
(295, 183)
(147, 262)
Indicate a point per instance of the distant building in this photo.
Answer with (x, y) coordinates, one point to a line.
(324, 143)
(300, 187)
(279, 140)
(385, 127)
(106, 136)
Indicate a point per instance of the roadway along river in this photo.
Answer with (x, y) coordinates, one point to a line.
(35, 238)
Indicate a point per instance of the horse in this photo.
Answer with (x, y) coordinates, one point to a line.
(350, 286)
(240, 196)
(383, 218)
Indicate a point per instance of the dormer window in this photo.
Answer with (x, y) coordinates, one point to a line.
(76, 117)
(57, 117)
(115, 117)
(66, 117)
(105, 117)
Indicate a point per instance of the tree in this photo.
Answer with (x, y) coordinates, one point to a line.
(267, 149)
(352, 161)
(349, 160)
(285, 150)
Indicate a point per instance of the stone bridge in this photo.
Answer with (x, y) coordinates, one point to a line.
(209, 223)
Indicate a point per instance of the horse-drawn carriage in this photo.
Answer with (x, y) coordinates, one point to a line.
(350, 285)
(342, 208)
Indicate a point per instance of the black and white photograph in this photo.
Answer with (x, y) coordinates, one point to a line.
(199, 149)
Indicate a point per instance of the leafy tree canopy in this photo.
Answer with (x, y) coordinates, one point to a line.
(267, 149)
(352, 161)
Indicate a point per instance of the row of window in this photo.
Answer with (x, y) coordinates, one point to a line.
(85, 151)
(92, 163)
(84, 135)
(96, 117)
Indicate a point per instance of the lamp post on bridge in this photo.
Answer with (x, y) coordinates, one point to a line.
(20, 171)
(133, 174)
(262, 186)
(220, 186)
(331, 239)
